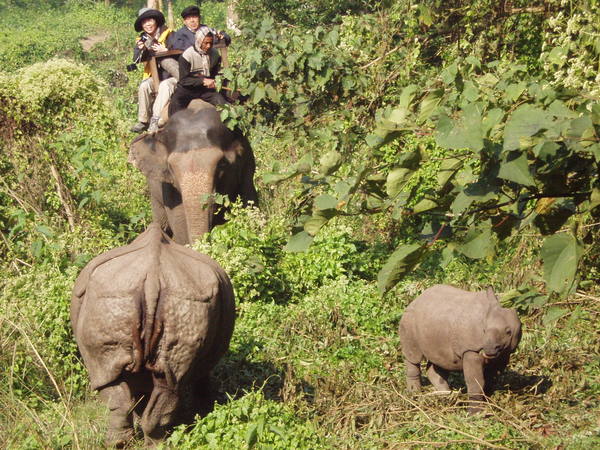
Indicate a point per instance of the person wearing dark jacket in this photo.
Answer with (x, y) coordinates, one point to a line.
(185, 37)
(198, 67)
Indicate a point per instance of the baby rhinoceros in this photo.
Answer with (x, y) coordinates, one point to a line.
(457, 330)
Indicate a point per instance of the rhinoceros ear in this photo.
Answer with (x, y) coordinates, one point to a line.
(515, 325)
(149, 153)
(491, 296)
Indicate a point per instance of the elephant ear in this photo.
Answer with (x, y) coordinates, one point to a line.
(240, 147)
(149, 154)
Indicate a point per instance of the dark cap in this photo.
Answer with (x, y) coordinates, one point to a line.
(147, 13)
(190, 11)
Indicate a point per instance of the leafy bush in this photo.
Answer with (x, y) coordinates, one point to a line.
(38, 349)
(307, 13)
(248, 422)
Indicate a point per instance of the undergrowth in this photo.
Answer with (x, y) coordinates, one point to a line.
(315, 360)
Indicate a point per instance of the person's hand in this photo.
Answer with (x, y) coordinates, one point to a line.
(140, 44)
(159, 48)
(209, 83)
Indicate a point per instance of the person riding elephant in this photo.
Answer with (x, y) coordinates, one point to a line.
(153, 39)
(185, 37)
(198, 67)
(185, 163)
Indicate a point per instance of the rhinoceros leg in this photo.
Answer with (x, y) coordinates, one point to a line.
(120, 423)
(160, 410)
(438, 377)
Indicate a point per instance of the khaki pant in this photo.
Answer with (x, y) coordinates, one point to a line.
(148, 106)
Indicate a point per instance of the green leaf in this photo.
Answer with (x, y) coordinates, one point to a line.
(425, 16)
(470, 91)
(411, 159)
(330, 162)
(448, 169)
(559, 109)
(272, 93)
(595, 198)
(398, 116)
(252, 435)
(274, 64)
(579, 126)
(325, 201)
(558, 56)
(429, 104)
(560, 254)
(258, 94)
(552, 315)
(396, 179)
(516, 169)
(403, 260)
(342, 189)
(546, 150)
(596, 113)
(45, 230)
(493, 118)
(477, 244)
(466, 132)
(299, 242)
(526, 121)
(514, 91)
(424, 205)
(407, 96)
(314, 224)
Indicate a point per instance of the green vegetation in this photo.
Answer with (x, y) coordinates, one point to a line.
(399, 144)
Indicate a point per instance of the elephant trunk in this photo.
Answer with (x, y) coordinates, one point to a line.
(197, 190)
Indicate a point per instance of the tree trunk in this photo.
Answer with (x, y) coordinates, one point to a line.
(152, 4)
(170, 19)
(233, 19)
(107, 2)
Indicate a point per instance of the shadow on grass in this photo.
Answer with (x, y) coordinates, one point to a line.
(508, 380)
(516, 382)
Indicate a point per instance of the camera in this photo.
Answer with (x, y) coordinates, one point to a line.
(148, 43)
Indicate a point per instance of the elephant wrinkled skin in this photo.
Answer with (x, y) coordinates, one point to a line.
(151, 320)
(458, 330)
(193, 157)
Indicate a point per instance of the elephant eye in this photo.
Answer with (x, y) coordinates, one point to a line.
(508, 331)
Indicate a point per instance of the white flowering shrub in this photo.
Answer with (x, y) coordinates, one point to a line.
(572, 50)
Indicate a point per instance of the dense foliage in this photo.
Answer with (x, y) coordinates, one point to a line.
(399, 144)
(510, 149)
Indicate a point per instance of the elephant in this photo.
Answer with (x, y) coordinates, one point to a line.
(151, 320)
(185, 163)
(455, 330)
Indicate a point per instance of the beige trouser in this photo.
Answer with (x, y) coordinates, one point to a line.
(149, 107)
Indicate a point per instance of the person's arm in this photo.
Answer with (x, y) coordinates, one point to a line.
(225, 37)
(216, 67)
(186, 79)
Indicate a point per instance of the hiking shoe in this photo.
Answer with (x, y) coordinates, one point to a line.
(153, 128)
(139, 127)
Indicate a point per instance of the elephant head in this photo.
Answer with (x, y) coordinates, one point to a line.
(192, 158)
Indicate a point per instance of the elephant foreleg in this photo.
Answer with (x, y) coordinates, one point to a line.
(120, 423)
